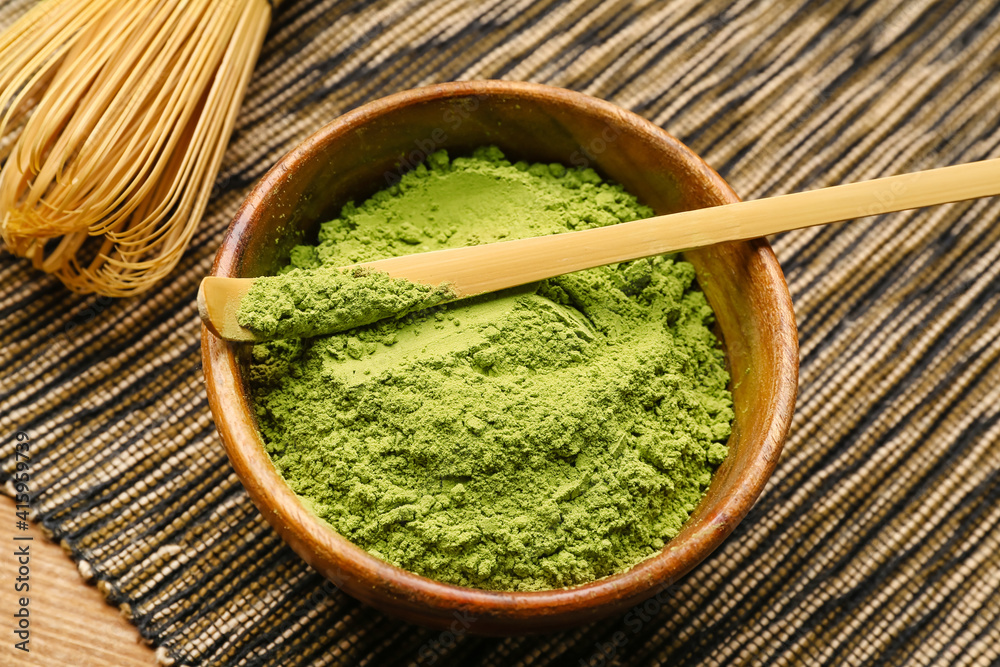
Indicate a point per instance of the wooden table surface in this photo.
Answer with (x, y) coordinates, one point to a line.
(70, 621)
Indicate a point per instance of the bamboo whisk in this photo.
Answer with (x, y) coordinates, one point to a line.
(116, 115)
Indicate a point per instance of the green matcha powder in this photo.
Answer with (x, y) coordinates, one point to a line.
(531, 439)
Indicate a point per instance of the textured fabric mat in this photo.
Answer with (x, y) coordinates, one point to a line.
(877, 538)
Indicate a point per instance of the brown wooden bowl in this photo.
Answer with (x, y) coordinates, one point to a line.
(366, 149)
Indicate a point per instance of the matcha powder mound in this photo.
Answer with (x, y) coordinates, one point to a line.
(531, 439)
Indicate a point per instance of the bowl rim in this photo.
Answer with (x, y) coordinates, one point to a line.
(346, 564)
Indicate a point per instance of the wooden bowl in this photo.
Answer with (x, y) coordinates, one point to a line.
(368, 148)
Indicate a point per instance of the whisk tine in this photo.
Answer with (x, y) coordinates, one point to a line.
(131, 105)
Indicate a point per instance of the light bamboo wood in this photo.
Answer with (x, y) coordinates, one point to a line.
(495, 266)
(114, 119)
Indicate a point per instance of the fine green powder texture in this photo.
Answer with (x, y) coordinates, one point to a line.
(301, 302)
(531, 439)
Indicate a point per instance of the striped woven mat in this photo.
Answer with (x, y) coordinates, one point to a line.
(877, 538)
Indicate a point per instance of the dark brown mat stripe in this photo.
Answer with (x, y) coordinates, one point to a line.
(878, 538)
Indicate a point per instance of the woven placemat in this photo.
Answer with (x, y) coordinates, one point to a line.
(877, 539)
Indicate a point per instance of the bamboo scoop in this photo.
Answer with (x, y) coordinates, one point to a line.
(495, 266)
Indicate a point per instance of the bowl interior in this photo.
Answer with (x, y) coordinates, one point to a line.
(370, 148)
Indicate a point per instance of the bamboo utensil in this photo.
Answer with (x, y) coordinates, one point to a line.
(116, 115)
(495, 266)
